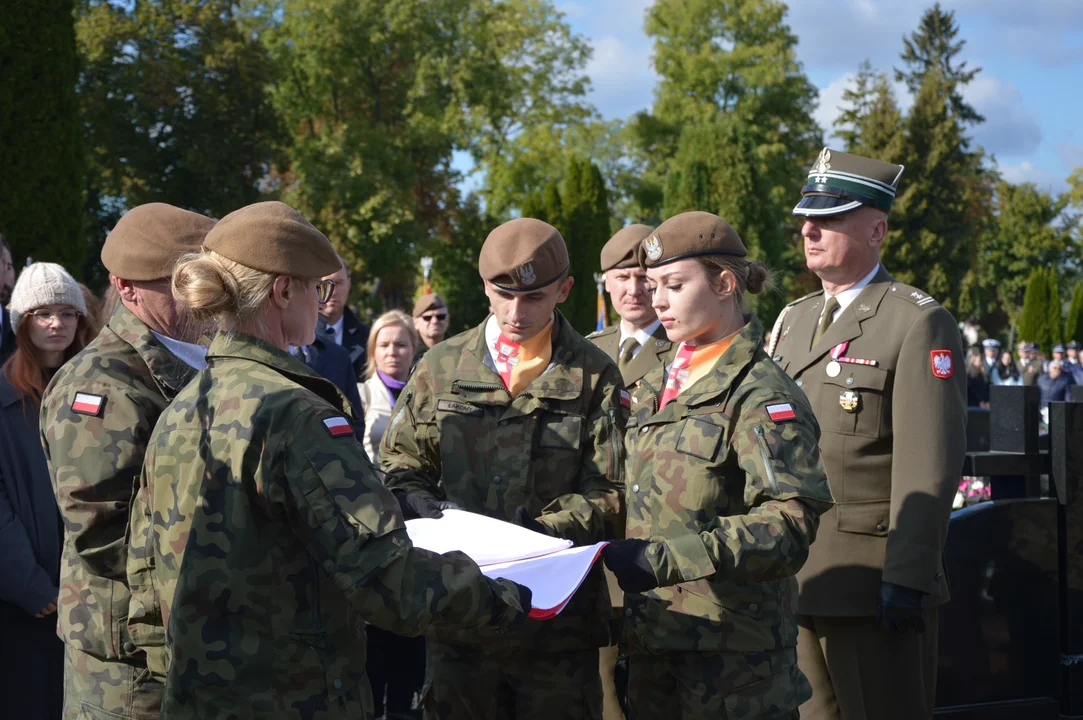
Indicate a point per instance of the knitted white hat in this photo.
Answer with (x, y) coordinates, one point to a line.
(43, 284)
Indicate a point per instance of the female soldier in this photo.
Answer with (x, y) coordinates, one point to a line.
(273, 539)
(724, 492)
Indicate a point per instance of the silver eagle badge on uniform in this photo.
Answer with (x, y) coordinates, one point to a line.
(527, 276)
(653, 247)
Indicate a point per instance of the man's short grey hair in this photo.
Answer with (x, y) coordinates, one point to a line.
(1056, 363)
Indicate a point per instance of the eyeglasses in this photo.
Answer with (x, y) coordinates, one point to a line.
(435, 316)
(47, 316)
(324, 290)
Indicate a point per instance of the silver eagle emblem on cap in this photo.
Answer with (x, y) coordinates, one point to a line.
(823, 163)
(653, 247)
(526, 273)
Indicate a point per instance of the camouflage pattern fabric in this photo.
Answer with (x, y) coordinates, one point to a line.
(715, 686)
(95, 462)
(556, 448)
(468, 682)
(730, 498)
(273, 541)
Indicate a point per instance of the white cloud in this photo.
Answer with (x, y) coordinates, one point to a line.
(1029, 172)
(622, 77)
(830, 102)
(1009, 129)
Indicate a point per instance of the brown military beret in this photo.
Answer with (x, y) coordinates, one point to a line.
(690, 234)
(428, 301)
(274, 238)
(522, 255)
(147, 242)
(622, 249)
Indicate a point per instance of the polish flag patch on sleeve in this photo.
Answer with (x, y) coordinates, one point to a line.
(943, 367)
(338, 426)
(88, 404)
(626, 398)
(781, 412)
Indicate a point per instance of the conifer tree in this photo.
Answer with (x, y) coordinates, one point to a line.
(42, 166)
(585, 231)
(1031, 319)
(1073, 323)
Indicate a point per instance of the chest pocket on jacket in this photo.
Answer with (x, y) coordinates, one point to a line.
(857, 399)
(559, 432)
(700, 437)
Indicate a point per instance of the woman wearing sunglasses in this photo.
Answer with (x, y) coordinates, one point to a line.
(49, 315)
(273, 540)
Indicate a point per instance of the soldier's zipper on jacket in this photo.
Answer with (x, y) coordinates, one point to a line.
(317, 620)
(477, 386)
(616, 448)
(765, 453)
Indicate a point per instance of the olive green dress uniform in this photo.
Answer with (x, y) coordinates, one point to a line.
(555, 448)
(622, 251)
(894, 435)
(271, 538)
(95, 457)
(1032, 370)
(730, 499)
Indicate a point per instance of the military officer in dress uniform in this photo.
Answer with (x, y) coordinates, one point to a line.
(638, 344)
(1030, 363)
(880, 362)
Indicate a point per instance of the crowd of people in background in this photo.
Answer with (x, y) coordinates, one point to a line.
(990, 364)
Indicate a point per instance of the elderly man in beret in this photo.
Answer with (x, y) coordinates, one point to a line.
(881, 364)
(431, 321)
(96, 417)
(519, 419)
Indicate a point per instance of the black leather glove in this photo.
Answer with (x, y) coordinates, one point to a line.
(899, 609)
(414, 506)
(627, 559)
(523, 519)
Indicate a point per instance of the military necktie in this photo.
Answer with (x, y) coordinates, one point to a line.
(627, 352)
(826, 320)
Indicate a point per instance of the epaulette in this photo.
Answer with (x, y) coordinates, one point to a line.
(604, 331)
(908, 292)
(802, 299)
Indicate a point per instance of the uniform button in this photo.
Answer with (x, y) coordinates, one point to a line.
(628, 612)
(497, 479)
(880, 527)
(337, 684)
(800, 383)
(635, 488)
(643, 430)
(849, 381)
(129, 647)
(753, 607)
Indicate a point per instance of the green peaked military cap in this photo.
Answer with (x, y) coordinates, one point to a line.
(840, 182)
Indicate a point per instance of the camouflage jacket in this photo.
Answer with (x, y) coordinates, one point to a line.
(273, 542)
(556, 449)
(731, 499)
(95, 460)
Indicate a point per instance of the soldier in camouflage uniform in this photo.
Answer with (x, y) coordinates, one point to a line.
(725, 490)
(273, 539)
(96, 418)
(517, 417)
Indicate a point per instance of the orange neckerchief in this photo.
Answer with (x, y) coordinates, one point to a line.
(519, 363)
(691, 363)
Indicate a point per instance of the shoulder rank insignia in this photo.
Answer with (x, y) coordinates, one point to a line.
(338, 426)
(88, 404)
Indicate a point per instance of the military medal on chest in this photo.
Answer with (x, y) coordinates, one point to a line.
(849, 400)
(834, 368)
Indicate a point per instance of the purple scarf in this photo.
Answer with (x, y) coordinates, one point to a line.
(394, 387)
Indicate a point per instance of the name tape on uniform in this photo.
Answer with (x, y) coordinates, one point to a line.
(781, 412)
(338, 426)
(88, 404)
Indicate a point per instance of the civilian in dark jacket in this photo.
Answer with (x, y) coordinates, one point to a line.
(7, 336)
(1055, 385)
(333, 363)
(48, 312)
(340, 326)
(7, 281)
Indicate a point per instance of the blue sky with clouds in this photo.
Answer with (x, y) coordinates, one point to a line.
(1030, 89)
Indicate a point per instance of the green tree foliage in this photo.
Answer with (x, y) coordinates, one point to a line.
(455, 265)
(585, 230)
(1073, 322)
(728, 70)
(934, 47)
(1040, 320)
(871, 123)
(41, 174)
(173, 99)
(1029, 228)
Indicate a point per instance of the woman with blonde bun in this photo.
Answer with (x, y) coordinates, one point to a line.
(271, 539)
